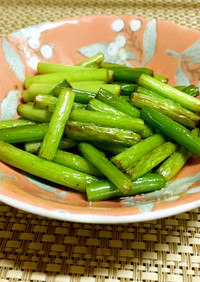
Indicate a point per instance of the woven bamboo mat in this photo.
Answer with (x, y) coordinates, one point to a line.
(34, 248)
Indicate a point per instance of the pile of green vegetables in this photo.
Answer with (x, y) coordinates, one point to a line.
(102, 128)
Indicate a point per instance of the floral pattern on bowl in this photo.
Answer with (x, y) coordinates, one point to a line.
(122, 39)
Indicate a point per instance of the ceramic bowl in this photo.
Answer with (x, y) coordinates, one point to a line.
(169, 49)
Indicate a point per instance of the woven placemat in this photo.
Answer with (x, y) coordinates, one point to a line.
(16, 14)
(34, 248)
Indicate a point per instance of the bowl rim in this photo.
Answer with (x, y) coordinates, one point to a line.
(100, 219)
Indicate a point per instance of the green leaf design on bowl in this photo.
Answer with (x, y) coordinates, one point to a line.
(9, 105)
(2, 175)
(14, 60)
(149, 41)
(171, 192)
(47, 187)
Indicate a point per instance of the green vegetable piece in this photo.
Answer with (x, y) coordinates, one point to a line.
(25, 96)
(161, 78)
(109, 64)
(191, 90)
(35, 89)
(127, 88)
(45, 169)
(42, 89)
(28, 111)
(117, 177)
(54, 78)
(48, 102)
(145, 91)
(77, 105)
(57, 124)
(174, 163)
(82, 87)
(32, 146)
(45, 102)
(104, 189)
(62, 84)
(103, 119)
(169, 108)
(169, 168)
(172, 129)
(80, 95)
(110, 147)
(94, 86)
(129, 157)
(98, 106)
(147, 132)
(14, 123)
(87, 83)
(92, 62)
(151, 160)
(187, 101)
(180, 87)
(83, 131)
(24, 133)
(80, 75)
(126, 74)
(76, 162)
(83, 97)
(125, 98)
(45, 68)
(116, 102)
(153, 94)
(65, 143)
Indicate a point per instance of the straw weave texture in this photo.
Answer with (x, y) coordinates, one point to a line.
(34, 248)
(16, 14)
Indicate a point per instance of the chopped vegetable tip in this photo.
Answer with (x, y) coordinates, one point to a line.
(102, 129)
